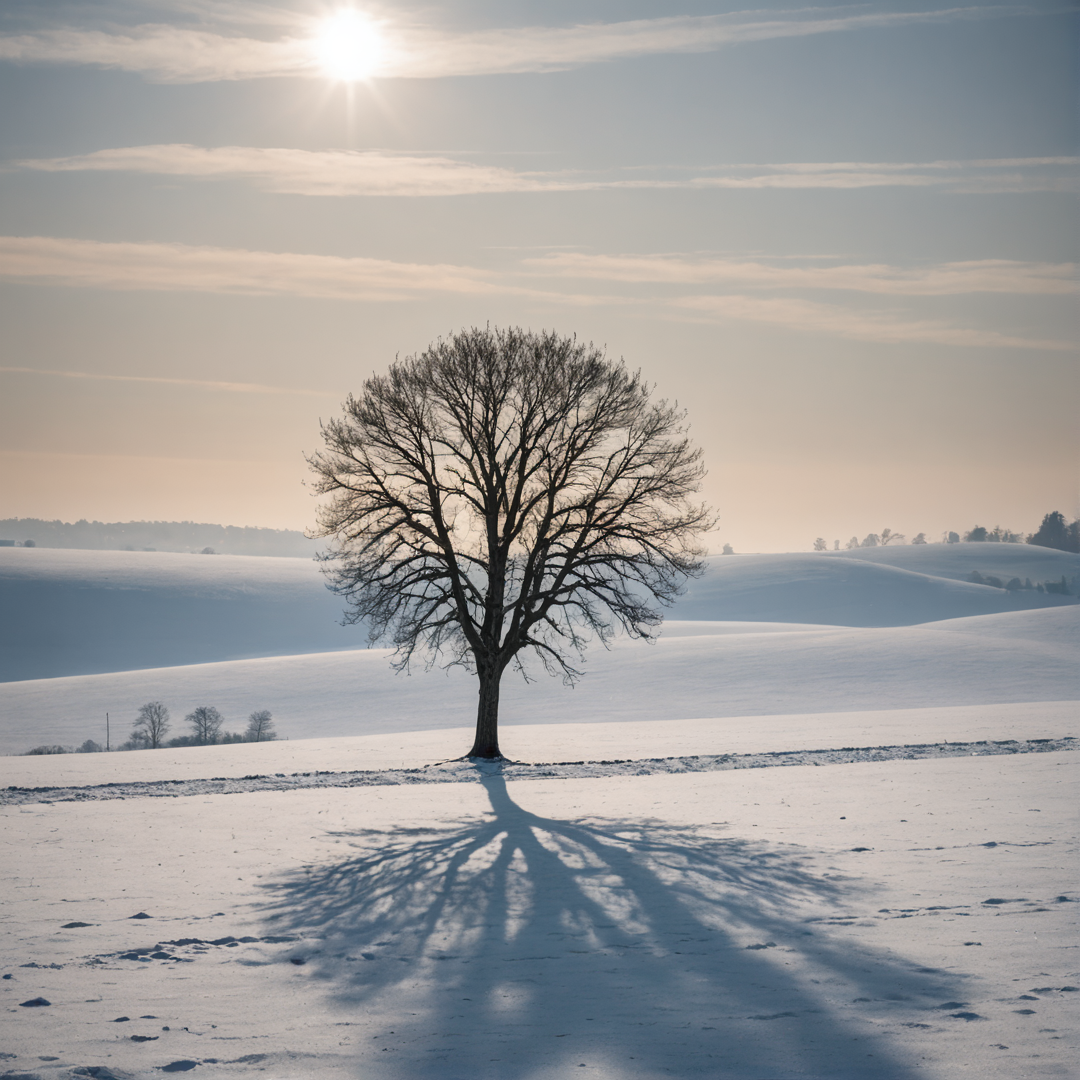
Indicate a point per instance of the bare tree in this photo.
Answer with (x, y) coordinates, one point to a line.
(260, 727)
(890, 537)
(504, 492)
(820, 544)
(206, 723)
(151, 725)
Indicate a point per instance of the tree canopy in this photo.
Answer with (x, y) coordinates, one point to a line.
(508, 492)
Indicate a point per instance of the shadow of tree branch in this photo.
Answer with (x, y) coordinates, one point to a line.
(517, 946)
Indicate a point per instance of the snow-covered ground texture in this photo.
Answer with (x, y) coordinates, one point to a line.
(695, 670)
(69, 612)
(894, 920)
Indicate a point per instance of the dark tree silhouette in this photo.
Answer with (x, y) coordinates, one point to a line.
(152, 724)
(260, 727)
(1054, 532)
(507, 491)
(206, 723)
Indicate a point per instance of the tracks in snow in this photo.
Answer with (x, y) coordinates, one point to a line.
(457, 772)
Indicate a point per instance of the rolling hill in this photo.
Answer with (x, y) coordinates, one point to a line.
(73, 612)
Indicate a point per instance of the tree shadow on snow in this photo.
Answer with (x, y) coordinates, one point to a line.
(517, 946)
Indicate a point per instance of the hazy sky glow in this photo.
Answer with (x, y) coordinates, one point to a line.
(843, 237)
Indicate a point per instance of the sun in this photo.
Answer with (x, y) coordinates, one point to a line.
(348, 46)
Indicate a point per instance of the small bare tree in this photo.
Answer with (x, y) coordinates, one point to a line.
(151, 725)
(260, 727)
(206, 724)
(508, 491)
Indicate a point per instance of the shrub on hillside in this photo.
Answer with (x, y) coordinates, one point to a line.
(39, 750)
(977, 579)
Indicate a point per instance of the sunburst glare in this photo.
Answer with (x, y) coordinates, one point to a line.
(348, 46)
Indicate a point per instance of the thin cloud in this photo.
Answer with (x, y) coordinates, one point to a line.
(306, 172)
(807, 316)
(185, 268)
(165, 53)
(946, 279)
(181, 54)
(205, 384)
(383, 173)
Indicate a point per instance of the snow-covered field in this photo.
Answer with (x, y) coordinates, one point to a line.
(902, 919)
(828, 917)
(694, 670)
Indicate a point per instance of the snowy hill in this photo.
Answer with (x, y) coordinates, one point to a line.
(73, 612)
(896, 587)
(957, 561)
(695, 670)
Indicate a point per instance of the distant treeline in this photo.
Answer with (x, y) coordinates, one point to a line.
(188, 536)
(1054, 532)
(151, 726)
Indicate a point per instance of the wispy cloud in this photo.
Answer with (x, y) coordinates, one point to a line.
(164, 53)
(945, 279)
(184, 268)
(831, 320)
(990, 177)
(542, 49)
(204, 384)
(385, 173)
(184, 54)
(306, 172)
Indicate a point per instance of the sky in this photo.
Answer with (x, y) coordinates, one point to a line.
(842, 237)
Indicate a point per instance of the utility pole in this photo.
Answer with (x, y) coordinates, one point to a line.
(106, 731)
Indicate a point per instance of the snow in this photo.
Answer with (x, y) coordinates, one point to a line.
(1004, 561)
(885, 913)
(900, 920)
(1021, 657)
(834, 589)
(636, 739)
(73, 612)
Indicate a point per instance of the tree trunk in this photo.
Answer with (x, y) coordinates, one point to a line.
(486, 743)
